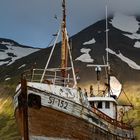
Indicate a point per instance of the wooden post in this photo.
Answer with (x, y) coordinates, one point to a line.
(24, 108)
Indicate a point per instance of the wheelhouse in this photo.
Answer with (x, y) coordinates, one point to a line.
(107, 105)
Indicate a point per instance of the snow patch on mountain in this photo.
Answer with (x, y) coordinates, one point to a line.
(3, 55)
(7, 43)
(131, 63)
(22, 66)
(86, 56)
(137, 44)
(133, 36)
(92, 41)
(12, 53)
(8, 78)
(2, 63)
(125, 23)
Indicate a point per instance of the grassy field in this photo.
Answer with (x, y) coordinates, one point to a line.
(8, 127)
(133, 92)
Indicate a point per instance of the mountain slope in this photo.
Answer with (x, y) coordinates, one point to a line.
(88, 47)
(10, 51)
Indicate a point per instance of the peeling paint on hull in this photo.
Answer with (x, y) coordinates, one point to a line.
(71, 122)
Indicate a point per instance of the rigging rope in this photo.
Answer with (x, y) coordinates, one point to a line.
(50, 56)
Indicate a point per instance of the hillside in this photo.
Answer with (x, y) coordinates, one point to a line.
(8, 126)
(88, 47)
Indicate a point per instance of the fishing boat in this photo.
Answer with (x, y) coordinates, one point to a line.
(49, 105)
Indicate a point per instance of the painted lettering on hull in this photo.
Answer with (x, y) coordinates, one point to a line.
(58, 102)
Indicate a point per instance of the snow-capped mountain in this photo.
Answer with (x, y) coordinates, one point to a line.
(10, 51)
(89, 47)
(124, 45)
(127, 24)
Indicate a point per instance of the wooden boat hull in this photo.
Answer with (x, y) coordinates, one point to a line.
(49, 122)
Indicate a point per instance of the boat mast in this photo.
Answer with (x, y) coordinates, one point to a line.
(106, 66)
(64, 47)
(107, 58)
(107, 36)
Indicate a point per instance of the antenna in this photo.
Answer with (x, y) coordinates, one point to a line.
(107, 58)
(107, 35)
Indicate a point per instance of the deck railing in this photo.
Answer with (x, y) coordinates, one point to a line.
(52, 76)
(114, 122)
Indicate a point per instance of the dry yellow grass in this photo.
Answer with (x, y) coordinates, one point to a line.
(8, 127)
(133, 92)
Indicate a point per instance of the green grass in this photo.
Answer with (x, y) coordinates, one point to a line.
(8, 126)
(133, 92)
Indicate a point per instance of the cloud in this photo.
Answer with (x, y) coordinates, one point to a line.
(130, 7)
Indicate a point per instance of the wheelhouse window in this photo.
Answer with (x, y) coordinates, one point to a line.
(92, 104)
(100, 105)
(107, 104)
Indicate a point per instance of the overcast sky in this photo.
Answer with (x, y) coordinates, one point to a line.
(31, 22)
